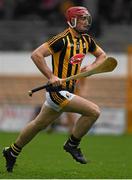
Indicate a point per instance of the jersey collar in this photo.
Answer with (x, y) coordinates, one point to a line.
(74, 33)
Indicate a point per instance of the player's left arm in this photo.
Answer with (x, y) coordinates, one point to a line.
(99, 54)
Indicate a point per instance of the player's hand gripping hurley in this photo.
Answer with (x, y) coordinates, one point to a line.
(107, 66)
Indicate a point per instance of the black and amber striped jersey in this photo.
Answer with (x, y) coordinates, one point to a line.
(63, 47)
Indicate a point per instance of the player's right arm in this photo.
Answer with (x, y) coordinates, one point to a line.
(38, 57)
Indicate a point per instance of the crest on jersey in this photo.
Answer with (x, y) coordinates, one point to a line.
(77, 59)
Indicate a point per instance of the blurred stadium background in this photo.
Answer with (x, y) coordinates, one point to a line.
(24, 25)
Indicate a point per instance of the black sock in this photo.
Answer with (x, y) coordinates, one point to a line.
(73, 141)
(15, 150)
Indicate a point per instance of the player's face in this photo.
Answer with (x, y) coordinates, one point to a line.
(83, 23)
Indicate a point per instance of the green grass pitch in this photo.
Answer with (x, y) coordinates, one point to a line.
(44, 158)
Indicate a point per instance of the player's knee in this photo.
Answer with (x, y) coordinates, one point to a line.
(97, 112)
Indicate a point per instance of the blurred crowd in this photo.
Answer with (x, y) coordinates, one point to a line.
(48, 10)
(115, 11)
(111, 11)
(45, 18)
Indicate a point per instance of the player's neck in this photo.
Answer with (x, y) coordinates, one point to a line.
(75, 33)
